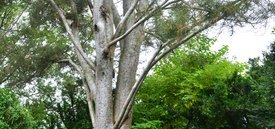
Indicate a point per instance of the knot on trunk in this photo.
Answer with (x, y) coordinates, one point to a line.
(106, 53)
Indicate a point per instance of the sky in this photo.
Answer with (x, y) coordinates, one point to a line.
(246, 42)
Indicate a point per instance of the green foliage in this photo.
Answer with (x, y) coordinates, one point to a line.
(73, 109)
(9, 9)
(25, 55)
(12, 114)
(32, 56)
(60, 103)
(41, 41)
(197, 88)
(262, 112)
(155, 124)
(177, 20)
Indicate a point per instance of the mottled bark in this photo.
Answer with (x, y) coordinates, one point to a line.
(103, 27)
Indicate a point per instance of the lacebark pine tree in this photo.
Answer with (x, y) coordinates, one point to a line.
(110, 103)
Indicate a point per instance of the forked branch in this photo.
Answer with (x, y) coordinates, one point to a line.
(71, 35)
(139, 22)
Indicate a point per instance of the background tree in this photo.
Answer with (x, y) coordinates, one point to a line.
(29, 57)
(192, 89)
(12, 114)
(60, 102)
(262, 72)
(207, 92)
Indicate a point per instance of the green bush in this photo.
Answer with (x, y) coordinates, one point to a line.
(12, 114)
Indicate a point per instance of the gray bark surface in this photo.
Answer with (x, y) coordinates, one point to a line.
(103, 26)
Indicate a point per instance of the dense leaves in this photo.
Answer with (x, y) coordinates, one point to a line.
(263, 73)
(198, 88)
(12, 114)
(58, 100)
(26, 58)
(30, 64)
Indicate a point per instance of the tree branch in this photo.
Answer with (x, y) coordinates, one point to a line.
(184, 40)
(76, 67)
(126, 112)
(90, 99)
(121, 25)
(86, 87)
(71, 35)
(146, 17)
(116, 15)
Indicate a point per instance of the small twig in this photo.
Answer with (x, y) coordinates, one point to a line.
(77, 67)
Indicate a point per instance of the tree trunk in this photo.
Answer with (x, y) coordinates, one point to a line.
(130, 49)
(103, 27)
(129, 57)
